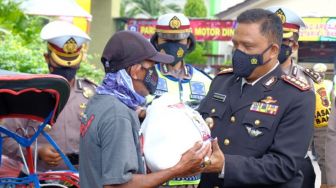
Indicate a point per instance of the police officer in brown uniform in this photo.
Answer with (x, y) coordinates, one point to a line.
(64, 43)
(291, 23)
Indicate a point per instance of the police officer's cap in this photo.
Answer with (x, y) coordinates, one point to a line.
(291, 22)
(173, 26)
(65, 42)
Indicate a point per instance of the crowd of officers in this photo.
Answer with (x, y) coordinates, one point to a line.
(266, 112)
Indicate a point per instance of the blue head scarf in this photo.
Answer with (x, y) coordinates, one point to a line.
(119, 84)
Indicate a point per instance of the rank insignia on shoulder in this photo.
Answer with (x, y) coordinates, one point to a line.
(225, 71)
(295, 82)
(87, 92)
(91, 82)
(82, 105)
(316, 77)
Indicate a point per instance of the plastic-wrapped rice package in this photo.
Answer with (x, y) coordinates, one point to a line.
(169, 130)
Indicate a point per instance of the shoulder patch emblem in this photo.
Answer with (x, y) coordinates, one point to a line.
(316, 77)
(225, 71)
(295, 82)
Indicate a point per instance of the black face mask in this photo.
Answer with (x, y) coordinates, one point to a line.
(244, 64)
(151, 80)
(175, 49)
(285, 52)
(67, 72)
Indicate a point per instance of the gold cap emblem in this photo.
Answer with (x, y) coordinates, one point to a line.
(175, 23)
(281, 15)
(70, 46)
(180, 52)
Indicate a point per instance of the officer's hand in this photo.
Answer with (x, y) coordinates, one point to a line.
(191, 161)
(217, 158)
(49, 155)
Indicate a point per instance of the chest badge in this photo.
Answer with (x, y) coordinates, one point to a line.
(269, 100)
(253, 132)
(264, 108)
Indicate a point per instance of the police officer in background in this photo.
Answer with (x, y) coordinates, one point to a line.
(64, 55)
(322, 68)
(263, 119)
(174, 36)
(330, 150)
(291, 23)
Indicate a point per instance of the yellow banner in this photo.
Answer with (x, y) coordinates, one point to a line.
(318, 29)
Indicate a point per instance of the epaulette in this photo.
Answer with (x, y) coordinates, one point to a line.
(88, 92)
(316, 77)
(91, 82)
(226, 71)
(295, 82)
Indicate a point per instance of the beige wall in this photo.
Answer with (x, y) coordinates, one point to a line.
(102, 25)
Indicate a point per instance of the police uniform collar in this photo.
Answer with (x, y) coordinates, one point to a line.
(167, 70)
(265, 75)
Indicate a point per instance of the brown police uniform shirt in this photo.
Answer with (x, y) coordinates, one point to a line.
(65, 131)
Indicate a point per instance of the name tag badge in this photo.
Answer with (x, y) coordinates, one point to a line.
(219, 97)
(264, 108)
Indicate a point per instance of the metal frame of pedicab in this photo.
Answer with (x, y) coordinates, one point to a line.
(41, 98)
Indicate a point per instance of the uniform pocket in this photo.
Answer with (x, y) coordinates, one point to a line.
(259, 128)
(213, 108)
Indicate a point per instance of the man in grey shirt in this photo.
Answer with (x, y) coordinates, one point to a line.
(110, 149)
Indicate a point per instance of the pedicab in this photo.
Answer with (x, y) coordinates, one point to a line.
(40, 98)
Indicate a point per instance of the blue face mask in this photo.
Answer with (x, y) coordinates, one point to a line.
(175, 49)
(285, 52)
(67, 72)
(244, 64)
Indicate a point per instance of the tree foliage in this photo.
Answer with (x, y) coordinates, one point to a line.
(196, 57)
(21, 49)
(147, 8)
(197, 9)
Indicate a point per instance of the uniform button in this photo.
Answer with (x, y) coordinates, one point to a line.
(233, 119)
(210, 122)
(257, 122)
(213, 110)
(226, 141)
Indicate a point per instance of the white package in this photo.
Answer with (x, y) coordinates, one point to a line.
(169, 130)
